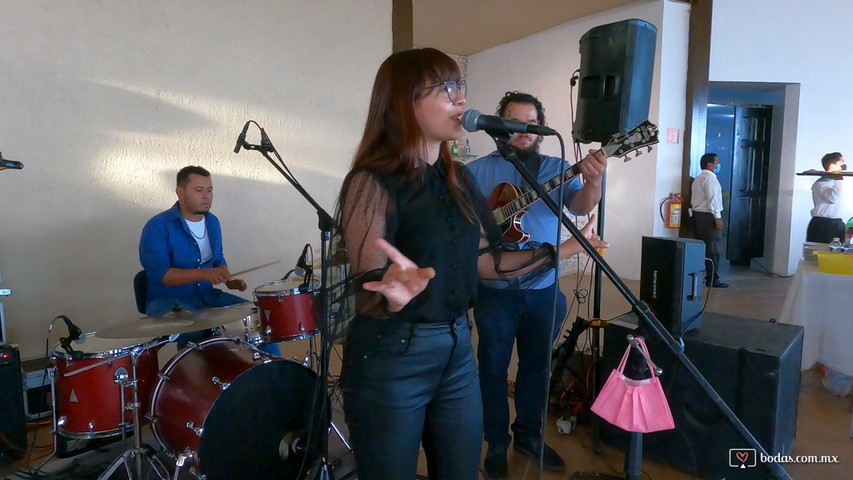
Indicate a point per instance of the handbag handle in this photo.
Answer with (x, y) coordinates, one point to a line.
(644, 350)
(657, 371)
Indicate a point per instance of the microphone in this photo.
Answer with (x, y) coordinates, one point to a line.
(74, 332)
(302, 268)
(74, 335)
(9, 163)
(473, 120)
(241, 140)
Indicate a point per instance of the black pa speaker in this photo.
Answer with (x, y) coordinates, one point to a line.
(617, 63)
(13, 432)
(671, 273)
(753, 365)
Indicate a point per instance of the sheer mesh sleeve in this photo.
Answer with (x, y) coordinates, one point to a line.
(365, 208)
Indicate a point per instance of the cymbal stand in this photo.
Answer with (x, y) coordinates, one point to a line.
(139, 450)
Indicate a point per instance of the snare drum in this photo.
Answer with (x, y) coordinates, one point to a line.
(235, 411)
(93, 385)
(287, 310)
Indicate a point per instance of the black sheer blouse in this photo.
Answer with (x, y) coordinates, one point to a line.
(422, 220)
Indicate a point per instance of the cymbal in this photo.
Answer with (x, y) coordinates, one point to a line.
(183, 321)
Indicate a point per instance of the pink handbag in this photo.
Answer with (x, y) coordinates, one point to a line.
(634, 405)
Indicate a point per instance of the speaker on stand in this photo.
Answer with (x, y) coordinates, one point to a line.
(617, 63)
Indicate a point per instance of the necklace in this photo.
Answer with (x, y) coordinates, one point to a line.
(204, 234)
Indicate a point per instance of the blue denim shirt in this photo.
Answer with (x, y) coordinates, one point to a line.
(167, 242)
(539, 221)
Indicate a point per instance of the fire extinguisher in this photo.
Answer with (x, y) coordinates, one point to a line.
(670, 210)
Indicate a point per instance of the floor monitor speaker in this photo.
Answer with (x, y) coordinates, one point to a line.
(755, 367)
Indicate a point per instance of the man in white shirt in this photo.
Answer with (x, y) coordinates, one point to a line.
(825, 224)
(707, 203)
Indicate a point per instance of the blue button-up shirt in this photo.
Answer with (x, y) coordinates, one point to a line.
(166, 243)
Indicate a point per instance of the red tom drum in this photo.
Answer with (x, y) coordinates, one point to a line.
(236, 412)
(93, 388)
(287, 310)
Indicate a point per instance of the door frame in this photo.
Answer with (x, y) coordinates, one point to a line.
(780, 257)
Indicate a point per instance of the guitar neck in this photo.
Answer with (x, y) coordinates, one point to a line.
(643, 135)
(549, 186)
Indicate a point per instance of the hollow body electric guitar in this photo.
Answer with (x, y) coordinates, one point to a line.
(510, 204)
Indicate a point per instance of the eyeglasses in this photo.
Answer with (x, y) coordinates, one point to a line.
(452, 88)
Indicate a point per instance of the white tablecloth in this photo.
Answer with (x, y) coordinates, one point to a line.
(822, 303)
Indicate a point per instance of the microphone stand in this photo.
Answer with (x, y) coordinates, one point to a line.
(326, 224)
(644, 314)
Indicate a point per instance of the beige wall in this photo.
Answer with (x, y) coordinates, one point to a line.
(104, 101)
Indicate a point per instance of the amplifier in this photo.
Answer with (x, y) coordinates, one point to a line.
(13, 432)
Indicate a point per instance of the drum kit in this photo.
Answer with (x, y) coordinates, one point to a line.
(221, 407)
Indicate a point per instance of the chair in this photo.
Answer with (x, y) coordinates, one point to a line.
(140, 289)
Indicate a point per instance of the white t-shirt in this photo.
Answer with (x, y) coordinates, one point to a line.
(199, 231)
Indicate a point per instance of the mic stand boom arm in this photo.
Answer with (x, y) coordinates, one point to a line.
(639, 307)
(326, 224)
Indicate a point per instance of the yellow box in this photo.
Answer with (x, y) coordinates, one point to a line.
(833, 262)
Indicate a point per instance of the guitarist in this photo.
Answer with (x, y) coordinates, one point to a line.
(524, 314)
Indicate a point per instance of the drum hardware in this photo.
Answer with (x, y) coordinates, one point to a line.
(219, 382)
(139, 450)
(197, 430)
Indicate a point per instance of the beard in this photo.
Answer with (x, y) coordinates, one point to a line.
(528, 152)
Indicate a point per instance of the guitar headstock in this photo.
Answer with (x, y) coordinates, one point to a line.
(643, 135)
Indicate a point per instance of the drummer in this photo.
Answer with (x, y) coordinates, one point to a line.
(181, 252)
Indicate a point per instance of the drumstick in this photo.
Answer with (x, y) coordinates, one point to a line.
(242, 272)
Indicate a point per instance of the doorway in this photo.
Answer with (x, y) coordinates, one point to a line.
(740, 136)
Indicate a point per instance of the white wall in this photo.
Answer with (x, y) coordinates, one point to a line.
(542, 65)
(104, 101)
(797, 43)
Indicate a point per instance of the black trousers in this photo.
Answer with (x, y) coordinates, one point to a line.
(705, 228)
(823, 230)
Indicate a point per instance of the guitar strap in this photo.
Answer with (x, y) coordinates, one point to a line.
(533, 164)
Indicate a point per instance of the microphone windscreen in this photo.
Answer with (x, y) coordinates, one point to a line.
(469, 120)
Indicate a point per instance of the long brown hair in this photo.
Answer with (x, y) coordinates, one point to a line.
(393, 139)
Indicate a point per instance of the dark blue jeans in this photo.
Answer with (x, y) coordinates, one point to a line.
(407, 383)
(505, 317)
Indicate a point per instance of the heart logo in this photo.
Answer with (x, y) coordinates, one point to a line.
(742, 456)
